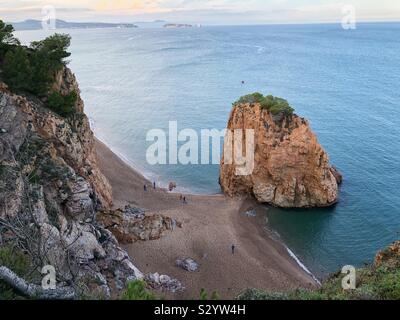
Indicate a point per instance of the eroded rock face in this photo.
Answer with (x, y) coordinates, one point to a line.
(291, 169)
(50, 180)
(389, 256)
(164, 283)
(69, 141)
(132, 224)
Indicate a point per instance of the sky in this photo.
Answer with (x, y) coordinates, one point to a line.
(203, 11)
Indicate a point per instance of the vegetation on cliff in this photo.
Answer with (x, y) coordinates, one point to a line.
(379, 281)
(64, 105)
(136, 290)
(270, 103)
(32, 69)
(6, 37)
(13, 258)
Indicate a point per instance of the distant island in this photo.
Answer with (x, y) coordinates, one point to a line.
(177, 25)
(150, 24)
(61, 24)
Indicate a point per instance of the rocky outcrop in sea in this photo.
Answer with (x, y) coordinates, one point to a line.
(291, 169)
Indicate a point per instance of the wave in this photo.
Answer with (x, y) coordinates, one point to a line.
(295, 258)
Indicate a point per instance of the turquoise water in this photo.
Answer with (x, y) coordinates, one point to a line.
(345, 82)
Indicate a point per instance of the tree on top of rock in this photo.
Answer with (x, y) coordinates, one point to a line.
(6, 37)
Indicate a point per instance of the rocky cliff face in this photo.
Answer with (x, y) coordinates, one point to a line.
(291, 169)
(130, 224)
(51, 189)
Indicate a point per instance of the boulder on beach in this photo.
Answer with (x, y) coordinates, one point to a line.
(188, 264)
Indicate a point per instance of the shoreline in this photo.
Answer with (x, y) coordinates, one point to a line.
(210, 225)
(148, 176)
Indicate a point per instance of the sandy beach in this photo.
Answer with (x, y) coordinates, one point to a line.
(210, 225)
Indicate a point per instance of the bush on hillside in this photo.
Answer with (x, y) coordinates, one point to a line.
(32, 69)
(6, 38)
(64, 105)
(373, 283)
(18, 262)
(136, 290)
(17, 69)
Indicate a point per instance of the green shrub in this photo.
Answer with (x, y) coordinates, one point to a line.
(276, 105)
(54, 49)
(255, 294)
(250, 98)
(386, 283)
(18, 262)
(63, 105)
(17, 69)
(204, 295)
(136, 290)
(381, 283)
(6, 38)
(272, 104)
(48, 57)
(33, 177)
(32, 69)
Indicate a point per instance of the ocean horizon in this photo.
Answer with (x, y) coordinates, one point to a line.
(343, 81)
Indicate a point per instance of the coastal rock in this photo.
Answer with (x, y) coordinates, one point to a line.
(51, 182)
(251, 212)
(338, 176)
(291, 169)
(188, 264)
(164, 283)
(69, 141)
(172, 186)
(131, 224)
(389, 256)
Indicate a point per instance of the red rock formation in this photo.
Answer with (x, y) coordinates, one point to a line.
(291, 169)
(389, 256)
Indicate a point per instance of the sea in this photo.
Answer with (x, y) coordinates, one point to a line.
(345, 82)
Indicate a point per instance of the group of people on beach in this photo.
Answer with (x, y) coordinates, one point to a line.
(145, 187)
(182, 198)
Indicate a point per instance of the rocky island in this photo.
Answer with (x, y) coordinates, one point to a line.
(177, 25)
(291, 169)
(61, 24)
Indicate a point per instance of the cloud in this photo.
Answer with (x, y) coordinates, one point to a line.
(203, 11)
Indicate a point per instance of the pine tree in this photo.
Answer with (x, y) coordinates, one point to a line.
(17, 69)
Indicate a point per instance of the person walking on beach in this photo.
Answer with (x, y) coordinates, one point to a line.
(184, 199)
(233, 249)
(145, 188)
(154, 185)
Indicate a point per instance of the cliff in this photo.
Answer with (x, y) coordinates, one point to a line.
(51, 189)
(291, 169)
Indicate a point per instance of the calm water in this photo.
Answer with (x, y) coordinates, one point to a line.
(345, 82)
